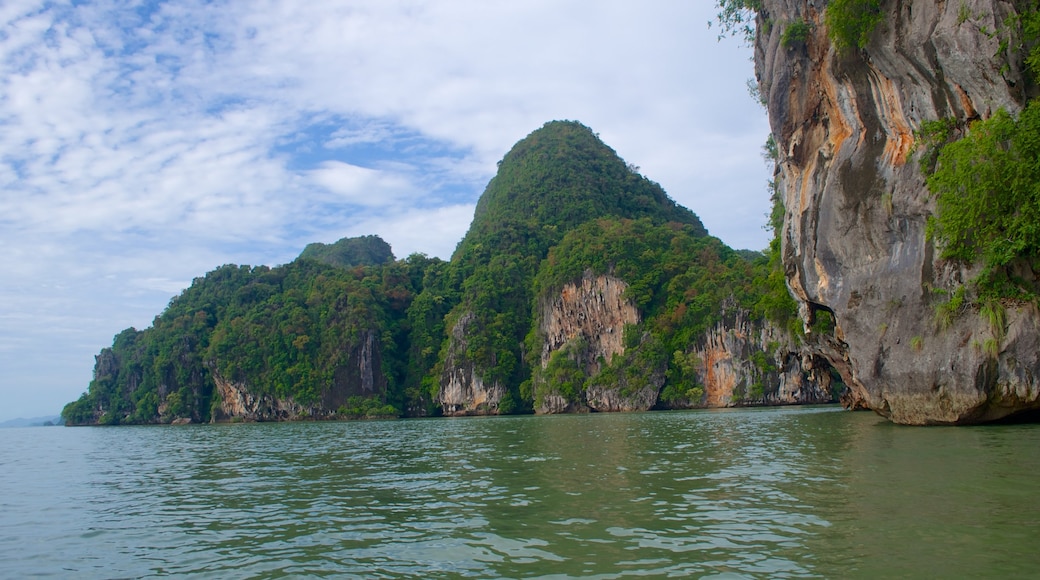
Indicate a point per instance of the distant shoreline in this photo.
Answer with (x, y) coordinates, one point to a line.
(45, 421)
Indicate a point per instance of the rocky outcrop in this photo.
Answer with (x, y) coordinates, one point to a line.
(856, 203)
(616, 398)
(360, 377)
(741, 361)
(588, 317)
(239, 403)
(737, 362)
(593, 309)
(463, 390)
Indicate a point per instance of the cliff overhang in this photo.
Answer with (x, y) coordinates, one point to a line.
(857, 206)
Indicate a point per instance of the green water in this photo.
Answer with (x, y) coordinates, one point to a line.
(810, 492)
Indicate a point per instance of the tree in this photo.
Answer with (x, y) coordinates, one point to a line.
(987, 189)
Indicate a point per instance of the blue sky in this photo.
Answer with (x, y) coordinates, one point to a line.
(145, 143)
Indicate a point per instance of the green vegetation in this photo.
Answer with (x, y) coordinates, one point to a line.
(795, 33)
(823, 323)
(963, 13)
(917, 343)
(737, 17)
(987, 190)
(946, 312)
(677, 277)
(994, 312)
(991, 347)
(1030, 22)
(562, 204)
(986, 182)
(348, 252)
(553, 181)
(851, 22)
(563, 376)
(358, 407)
(288, 332)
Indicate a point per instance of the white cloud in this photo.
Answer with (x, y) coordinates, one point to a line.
(142, 147)
(360, 185)
(373, 133)
(434, 232)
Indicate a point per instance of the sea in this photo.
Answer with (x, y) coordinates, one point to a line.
(792, 492)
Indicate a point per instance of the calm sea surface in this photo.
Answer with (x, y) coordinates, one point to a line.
(809, 492)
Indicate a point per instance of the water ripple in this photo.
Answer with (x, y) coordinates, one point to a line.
(751, 493)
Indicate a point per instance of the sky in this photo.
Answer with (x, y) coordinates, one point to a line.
(145, 143)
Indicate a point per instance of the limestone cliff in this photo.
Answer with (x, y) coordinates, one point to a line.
(856, 203)
(594, 309)
(463, 391)
(739, 361)
(361, 376)
(239, 403)
(592, 313)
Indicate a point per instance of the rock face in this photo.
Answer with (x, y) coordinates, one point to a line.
(360, 377)
(239, 403)
(462, 389)
(594, 309)
(854, 233)
(743, 362)
(737, 362)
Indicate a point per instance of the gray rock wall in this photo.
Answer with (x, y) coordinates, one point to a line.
(854, 232)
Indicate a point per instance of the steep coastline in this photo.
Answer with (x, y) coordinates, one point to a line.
(738, 361)
(749, 362)
(580, 287)
(854, 234)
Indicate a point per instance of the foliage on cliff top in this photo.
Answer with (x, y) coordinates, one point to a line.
(987, 189)
(349, 252)
(284, 331)
(558, 177)
(737, 17)
(851, 22)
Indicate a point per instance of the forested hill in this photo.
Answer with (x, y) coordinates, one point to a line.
(363, 251)
(561, 176)
(556, 179)
(347, 330)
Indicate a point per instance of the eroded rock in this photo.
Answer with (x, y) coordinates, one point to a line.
(463, 390)
(854, 233)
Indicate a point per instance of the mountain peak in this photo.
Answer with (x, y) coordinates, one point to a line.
(350, 252)
(563, 175)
